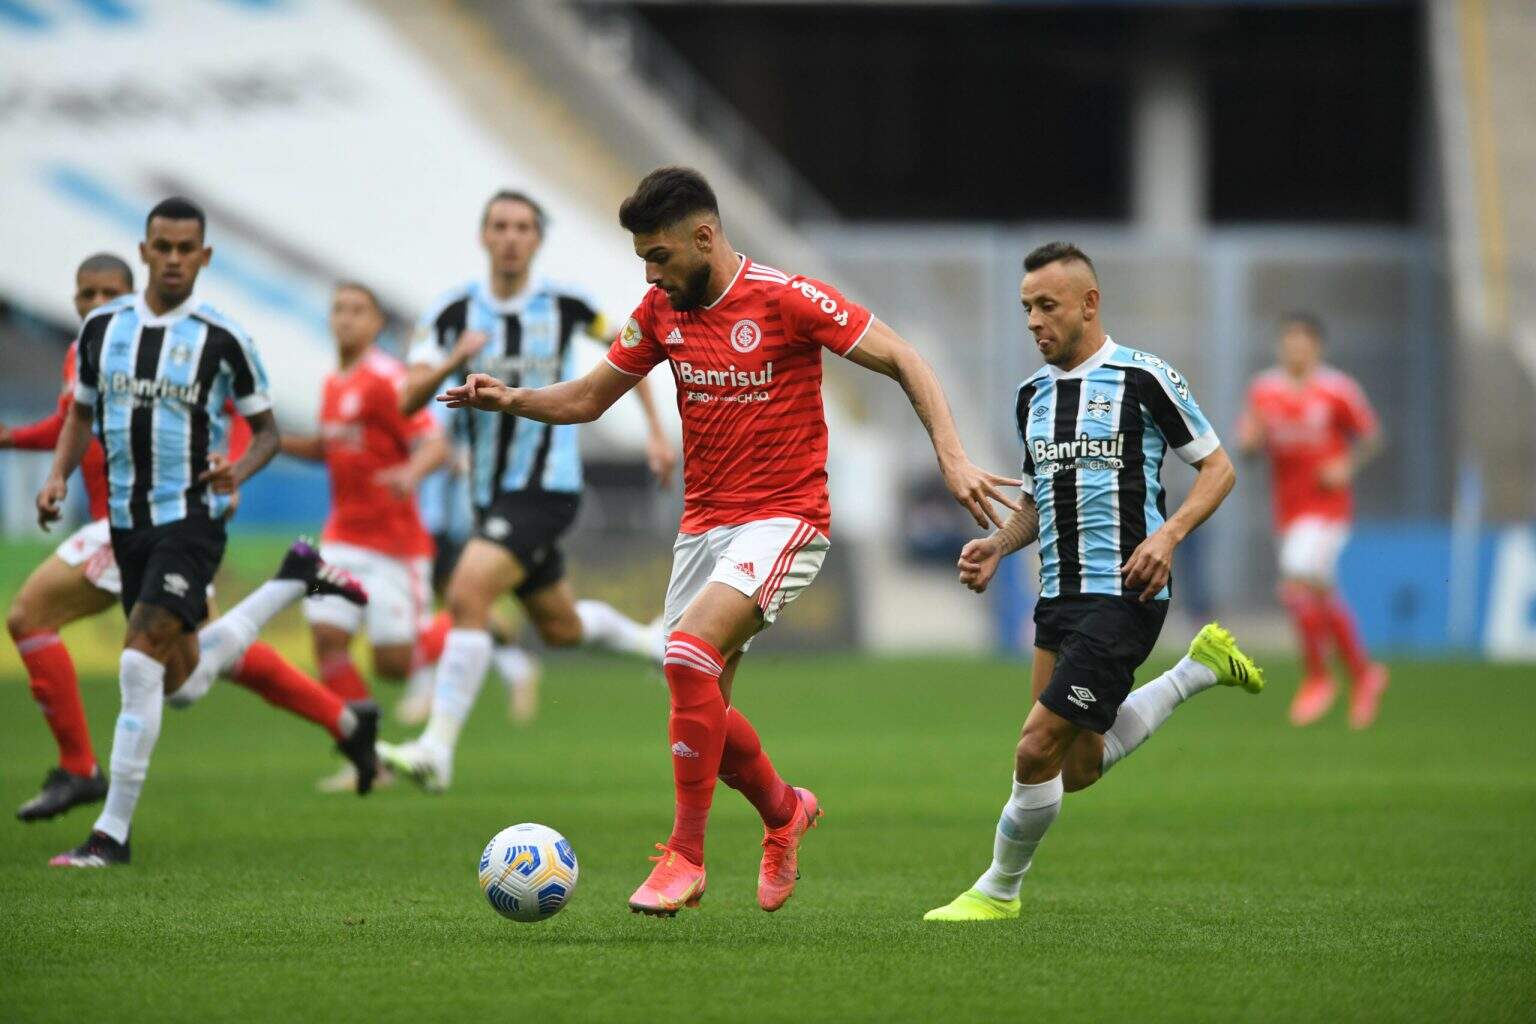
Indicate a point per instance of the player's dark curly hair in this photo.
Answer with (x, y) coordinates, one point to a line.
(1056, 252)
(664, 197)
(351, 284)
(178, 208)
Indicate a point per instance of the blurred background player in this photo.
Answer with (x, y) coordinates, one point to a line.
(1318, 429)
(745, 341)
(376, 457)
(525, 475)
(1096, 422)
(156, 374)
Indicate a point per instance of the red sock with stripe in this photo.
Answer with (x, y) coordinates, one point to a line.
(1346, 634)
(430, 641)
(51, 674)
(1310, 618)
(279, 683)
(343, 679)
(745, 768)
(696, 729)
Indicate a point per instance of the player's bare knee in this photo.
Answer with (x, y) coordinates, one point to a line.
(21, 619)
(468, 606)
(559, 630)
(392, 663)
(1037, 757)
(154, 631)
(1076, 777)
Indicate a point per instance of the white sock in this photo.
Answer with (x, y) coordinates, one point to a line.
(605, 626)
(1149, 707)
(514, 665)
(142, 680)
(1026, 816)
(460, 671)
(222, 642)
(422, 680)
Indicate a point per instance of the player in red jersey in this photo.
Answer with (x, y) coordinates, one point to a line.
(744, 342)
(1318, 429)
(81, 580)
(376, 457)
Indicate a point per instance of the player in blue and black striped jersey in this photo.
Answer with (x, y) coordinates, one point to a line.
(1096, 421)
(525, 477)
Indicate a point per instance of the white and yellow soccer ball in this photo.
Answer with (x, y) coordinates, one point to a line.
(528, 872)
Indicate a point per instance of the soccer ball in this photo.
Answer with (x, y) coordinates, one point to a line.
(528, 872)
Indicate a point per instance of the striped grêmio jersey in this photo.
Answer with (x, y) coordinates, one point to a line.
(530, 346)
(159, 388)
(1094, 440)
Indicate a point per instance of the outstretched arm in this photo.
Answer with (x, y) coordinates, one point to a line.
(423, 379)
(1152, 562)
(73, 440)
(300, 446)
(884, 351)
(580, 400)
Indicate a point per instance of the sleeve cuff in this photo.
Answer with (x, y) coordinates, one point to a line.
(252, 404)
(855, 343)
(85, 395)
(1199, 448)
(616, 366)
(1027, 487)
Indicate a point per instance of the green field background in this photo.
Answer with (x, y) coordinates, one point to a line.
(1234, 869)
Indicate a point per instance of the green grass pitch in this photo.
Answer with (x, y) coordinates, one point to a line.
(1233, 869)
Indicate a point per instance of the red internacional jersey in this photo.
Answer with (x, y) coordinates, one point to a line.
(748, 373)
(364, 432)
(1307, 426)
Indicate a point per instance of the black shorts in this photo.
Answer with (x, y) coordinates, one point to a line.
(1099, 641)
(170, 566)
(530, 524)
(445, 555)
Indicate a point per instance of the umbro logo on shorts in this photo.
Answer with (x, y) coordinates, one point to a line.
(176, 584)
(1082, 697)
(681, 749)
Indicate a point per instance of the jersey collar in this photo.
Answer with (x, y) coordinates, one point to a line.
(740, 269)
(148, 318)
(516, 302)
(1088, 365)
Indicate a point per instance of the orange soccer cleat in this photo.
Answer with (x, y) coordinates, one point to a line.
(1365, 696)
(781, 848)
(1312, 701)
(674, 883)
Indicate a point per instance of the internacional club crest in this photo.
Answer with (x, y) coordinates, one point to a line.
(745, 335)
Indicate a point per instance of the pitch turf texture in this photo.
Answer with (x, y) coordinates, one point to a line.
(1233, 869)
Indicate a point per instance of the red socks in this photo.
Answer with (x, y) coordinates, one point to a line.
(745, 768)
(278, 682)
(57, 692)
(1310, 617)
(342, 678)
(1346, 635)
(696, 729)
(430, 641)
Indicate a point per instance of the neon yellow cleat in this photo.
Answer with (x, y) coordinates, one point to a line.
(975, 905)
(1217, 649)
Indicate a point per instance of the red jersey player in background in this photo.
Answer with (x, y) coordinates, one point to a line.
(80, 579)
(376, 457)
(1318, 429)
(744, 342)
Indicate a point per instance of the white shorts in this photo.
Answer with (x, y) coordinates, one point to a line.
(1310, 549)
(91, 546)
(772, 560)
(399, 595)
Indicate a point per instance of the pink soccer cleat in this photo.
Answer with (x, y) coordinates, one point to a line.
(781, 848)
(674, 883)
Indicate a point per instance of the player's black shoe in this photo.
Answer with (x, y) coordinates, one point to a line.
(98, 851)
(61, 791)
(303, 563)
(358, 747)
